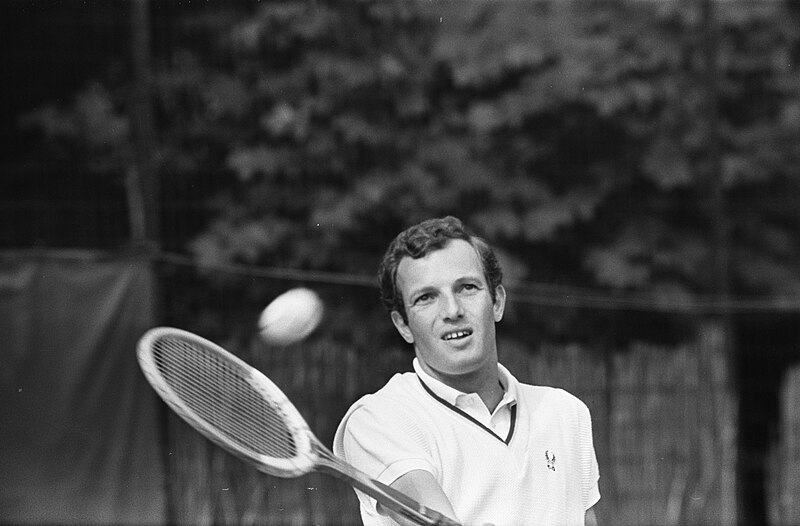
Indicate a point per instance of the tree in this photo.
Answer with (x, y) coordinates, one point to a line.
(576, 136)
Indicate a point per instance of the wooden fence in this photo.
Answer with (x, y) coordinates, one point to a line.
(663, 422)
(784, 475)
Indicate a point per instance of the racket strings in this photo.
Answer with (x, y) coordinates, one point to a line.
(219, 391)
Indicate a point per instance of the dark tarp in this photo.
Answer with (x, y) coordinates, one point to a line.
(79, 440)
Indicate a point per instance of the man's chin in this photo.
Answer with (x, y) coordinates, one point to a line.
(461, 368)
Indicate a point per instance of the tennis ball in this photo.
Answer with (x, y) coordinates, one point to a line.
(291, 317)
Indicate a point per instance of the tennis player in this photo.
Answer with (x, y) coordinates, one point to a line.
(460, 434)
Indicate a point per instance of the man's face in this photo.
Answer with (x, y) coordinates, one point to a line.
(451, 316)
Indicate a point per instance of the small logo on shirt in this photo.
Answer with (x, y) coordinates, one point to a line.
(551, 460)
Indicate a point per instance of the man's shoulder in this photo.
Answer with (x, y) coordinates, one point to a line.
(392, 405)
(550, 395)
(395, 395)
(397, 390)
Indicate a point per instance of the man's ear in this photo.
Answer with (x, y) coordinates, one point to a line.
(402, 326)
(499, 303)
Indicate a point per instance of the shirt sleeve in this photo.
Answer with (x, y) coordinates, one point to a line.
(591, 472)
(384, 445)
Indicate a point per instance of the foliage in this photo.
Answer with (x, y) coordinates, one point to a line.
(610, 145)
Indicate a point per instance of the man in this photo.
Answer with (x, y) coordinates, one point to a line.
(460, 435)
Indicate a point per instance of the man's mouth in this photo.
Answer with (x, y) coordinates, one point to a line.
(457, 335)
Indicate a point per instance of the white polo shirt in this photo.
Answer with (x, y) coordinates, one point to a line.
(539, 469)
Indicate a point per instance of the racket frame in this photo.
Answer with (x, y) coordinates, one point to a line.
(312, 454)
(306, 457)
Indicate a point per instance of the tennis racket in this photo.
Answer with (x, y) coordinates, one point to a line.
(241, 410)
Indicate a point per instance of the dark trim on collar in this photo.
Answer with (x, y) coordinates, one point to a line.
(472, 419)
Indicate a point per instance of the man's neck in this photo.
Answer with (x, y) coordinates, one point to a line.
(492, 394)
(484, 382)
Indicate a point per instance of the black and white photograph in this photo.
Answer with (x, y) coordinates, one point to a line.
(400, 263)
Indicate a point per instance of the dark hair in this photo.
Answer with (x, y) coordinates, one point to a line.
(422, 239)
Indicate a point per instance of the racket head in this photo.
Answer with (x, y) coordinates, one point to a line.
(228, 401)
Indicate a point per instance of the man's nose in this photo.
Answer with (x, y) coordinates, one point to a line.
(451, 306)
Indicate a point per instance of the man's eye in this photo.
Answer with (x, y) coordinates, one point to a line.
(469, 287)
(423, 298)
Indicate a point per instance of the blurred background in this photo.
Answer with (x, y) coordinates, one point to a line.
(181, 162)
